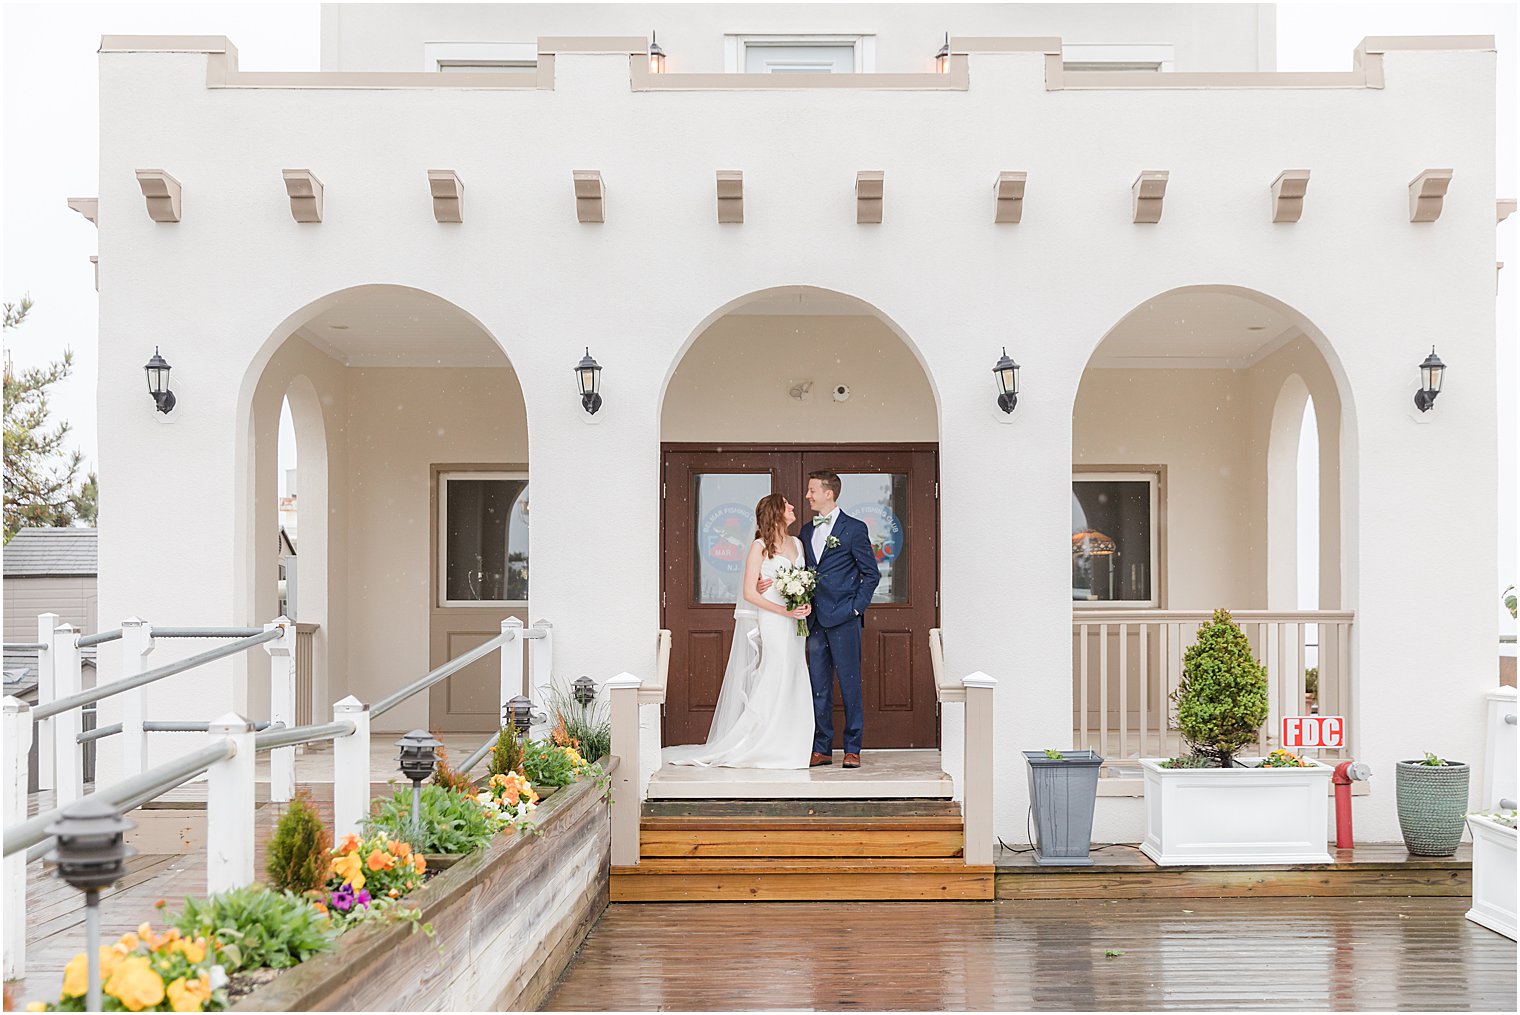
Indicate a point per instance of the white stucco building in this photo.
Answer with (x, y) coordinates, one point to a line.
(416, 245)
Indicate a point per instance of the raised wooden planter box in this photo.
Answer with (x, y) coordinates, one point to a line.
(1236, 815)
(506, 921)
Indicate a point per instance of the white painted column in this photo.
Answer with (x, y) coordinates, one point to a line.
(18, 741)
(623, 692)
(282, 707)
(541, 664)
(68, 759)
(511, 665)
(136, 643)
(229, 808)
(47, 690)
(350, 768)
(977, 804)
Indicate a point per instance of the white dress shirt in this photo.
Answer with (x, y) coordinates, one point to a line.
(822, 531)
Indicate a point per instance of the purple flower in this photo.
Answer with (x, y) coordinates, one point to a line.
(344, 899)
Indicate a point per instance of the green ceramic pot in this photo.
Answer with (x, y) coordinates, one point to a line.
(1432, 806)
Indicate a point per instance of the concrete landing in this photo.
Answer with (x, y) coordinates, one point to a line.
(882, 775)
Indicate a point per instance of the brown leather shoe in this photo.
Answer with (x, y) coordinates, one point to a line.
(852, 761)
(820, 759)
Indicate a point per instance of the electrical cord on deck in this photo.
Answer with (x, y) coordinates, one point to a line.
(1029, 831)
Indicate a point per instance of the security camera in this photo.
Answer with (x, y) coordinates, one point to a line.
(841, 392)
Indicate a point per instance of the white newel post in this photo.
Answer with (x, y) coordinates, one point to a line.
(282, 707)
(136, 643)
(541, 664)
(350, 768)
(18, 741)
(511, 665)
(980, 765)
(623, 692)
(47, 690)
(229, 808)
(68, 760)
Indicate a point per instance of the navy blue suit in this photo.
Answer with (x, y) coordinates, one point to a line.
(847, 577)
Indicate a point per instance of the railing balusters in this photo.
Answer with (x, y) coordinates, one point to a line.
(1086, 724)
(1103, 689)
(1124, 690)
(1145, 682)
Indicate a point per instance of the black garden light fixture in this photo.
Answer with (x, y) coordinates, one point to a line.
(589, 374)
(519, 712)
(584, 690)
(419, 756)
(1432, 371)
(942, 58)
(1007, 374)
(91, 854)
(656, 56)
(157, 370)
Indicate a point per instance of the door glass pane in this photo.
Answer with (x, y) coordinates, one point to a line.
(1111, 540)
(725, 528)
(486, 540)
(880, 499)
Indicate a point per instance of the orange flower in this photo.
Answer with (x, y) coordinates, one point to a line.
(160, 904)
(380, 860)
(393, 893)
(194, 951)
(135, 984)
(401, 849)
(349, 843)
(320, 907)
(418, 863)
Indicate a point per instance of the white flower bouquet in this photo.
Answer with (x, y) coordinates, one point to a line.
(796, 586)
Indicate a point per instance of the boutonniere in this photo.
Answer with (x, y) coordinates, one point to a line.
(831, 542)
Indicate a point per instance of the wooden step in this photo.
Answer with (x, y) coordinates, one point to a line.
(770, 879)
(795, 841)
(839, 808)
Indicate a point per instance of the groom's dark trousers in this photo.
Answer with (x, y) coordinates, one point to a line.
(831, 651)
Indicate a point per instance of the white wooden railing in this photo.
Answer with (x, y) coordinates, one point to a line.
(1127, 663)
(975, 693)
(626, 693)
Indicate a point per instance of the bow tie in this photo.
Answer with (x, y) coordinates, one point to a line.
(821, 520)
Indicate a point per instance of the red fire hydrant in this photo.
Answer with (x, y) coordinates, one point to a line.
(1345, 772)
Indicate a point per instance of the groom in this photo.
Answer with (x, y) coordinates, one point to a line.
(839, 547)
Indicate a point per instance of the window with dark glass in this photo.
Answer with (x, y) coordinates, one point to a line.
(1112, 539)
(485, 536)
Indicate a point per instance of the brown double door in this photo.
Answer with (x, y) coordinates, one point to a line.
(708, 524)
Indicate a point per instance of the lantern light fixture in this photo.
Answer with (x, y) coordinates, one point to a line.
(1007, 374)
(589, 374)
(91, 854)
(656, 55)
(519, 713)
(419, 756)
(942, 58)
(157, 370)
(584, 690)
(1432, 372)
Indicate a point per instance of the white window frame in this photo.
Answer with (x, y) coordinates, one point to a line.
(504, 55)
(735, 46)
(443, 538)
(1153, 480)
(1158, 57)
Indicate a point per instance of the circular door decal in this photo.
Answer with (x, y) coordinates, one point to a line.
(885, 530)
(724, 534)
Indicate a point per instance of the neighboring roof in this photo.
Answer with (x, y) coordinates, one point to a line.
(35, 553)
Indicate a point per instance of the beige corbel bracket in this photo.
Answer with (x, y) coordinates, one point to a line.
(1009, 191)
(1426, 192)
(1288, 195)
(162, 193)
(1149, 191)
(589, 195)
(89, 207)
(305, 192)
(869, 187)
(95, 269)
(730, 196)
(448, 195)
(1503, 208)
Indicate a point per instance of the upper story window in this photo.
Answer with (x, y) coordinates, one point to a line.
(800, 54)
(457, 57)
(1082, 56)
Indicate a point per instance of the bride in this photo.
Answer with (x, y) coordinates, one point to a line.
(764, 715)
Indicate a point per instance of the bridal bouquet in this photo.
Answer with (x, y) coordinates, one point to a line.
(796, 586)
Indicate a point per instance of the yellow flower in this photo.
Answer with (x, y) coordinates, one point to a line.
(189, 995)
(351, 869)
(135, 984)
(36, 1006)
(76, 975)
(129, 941)
(193, 950)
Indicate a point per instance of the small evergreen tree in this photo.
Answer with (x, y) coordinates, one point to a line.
(507, 755)
(1222, 699)
(298, 853)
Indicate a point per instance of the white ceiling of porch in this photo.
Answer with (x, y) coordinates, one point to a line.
(1195, 329)
(386, 326)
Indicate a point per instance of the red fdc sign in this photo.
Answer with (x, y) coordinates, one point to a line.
(1303, 731)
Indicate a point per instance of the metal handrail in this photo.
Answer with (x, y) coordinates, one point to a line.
(27, 646)
(101, 732)
(126, 794)
(445, 671)
(282, 737)
(84, 697)
(206, 632)
(98, 638)
(479, 754)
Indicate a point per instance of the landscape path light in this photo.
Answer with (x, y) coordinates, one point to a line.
(419, 756)
(91, 854)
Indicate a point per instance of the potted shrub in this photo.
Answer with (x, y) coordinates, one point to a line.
(1063, 790)
(1493, 886)
(1215, 806)
(1432, 798)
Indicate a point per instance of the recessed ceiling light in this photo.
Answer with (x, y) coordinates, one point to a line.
(338, 327)
(1256, 327)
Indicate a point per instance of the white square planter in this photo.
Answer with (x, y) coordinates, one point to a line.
(1493, 880)
(1236, 815)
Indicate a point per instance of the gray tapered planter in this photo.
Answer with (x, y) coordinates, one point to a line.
(1063, 792)
(1432, 806)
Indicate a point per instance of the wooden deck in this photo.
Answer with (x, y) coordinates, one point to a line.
(1214, 954)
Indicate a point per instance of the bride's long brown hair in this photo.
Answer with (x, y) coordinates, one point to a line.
(770, 522)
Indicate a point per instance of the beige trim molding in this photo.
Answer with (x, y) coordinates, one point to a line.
(1503, 208)
(1288, 195)
(1426, 194)
(1149, 191)
(447, 190)
(870, 186)
(642, 79)
(95, 268)
(89, 207)
(730, 197)
(589, 195)
(1008, 198)
(162, 193)
(305, 193)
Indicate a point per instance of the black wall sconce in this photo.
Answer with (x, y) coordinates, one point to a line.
(942, 58)
(1431, 373)
(1007, 374)
(589, 374)
(158, 381)
(656, 55)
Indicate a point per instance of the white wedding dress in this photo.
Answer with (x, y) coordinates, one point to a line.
(764, 715)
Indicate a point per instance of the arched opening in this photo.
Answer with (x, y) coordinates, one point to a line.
(1207, 473)
(770, 387)
(403, 464)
